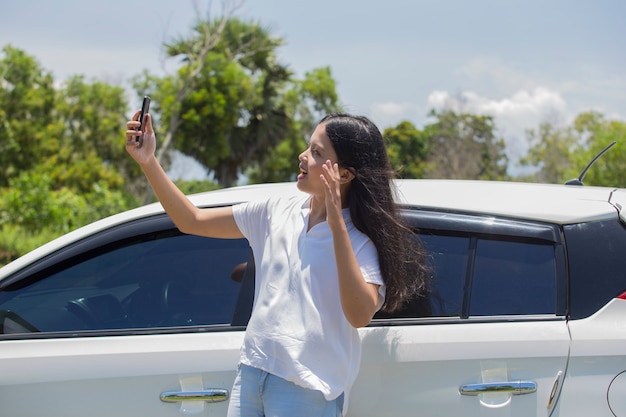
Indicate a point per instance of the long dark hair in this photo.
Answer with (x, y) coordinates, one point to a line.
(361, 149)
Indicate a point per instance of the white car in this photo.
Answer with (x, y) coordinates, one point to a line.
(526, 315)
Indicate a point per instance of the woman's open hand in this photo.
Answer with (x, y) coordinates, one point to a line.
(332, 188)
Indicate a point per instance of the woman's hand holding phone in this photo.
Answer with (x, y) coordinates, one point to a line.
(140, 139)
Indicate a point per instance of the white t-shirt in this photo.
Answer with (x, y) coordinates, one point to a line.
(298, 330)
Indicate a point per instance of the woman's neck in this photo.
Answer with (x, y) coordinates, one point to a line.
(317, 211)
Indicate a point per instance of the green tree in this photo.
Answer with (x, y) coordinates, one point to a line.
(560, 154)
(72, 133)
(28, 129)
(306, 102)
(233, 118)
(246, 115)
(89, 156)
(465, 146)
(595, 133)
(90, 149)
(171, 91)
(550, 152)
(33, 212)
(407, 147)
(60, 157)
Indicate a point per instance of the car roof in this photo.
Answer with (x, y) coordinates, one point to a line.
(550, 203)
(553, 203)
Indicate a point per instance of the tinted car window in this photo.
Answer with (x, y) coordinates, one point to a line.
(513, 278)
(597, 265)
(161, 280)
(448, 255)
(477, 275)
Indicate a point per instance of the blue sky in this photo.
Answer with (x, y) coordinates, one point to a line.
(521, 61)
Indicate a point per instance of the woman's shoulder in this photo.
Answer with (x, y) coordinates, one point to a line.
(283, 204)
(279, 201)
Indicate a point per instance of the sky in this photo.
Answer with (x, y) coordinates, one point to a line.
(522, 62)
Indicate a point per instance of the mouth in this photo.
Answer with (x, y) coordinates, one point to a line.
(303, 173)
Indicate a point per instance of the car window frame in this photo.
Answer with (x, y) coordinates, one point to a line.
(100, 242)
(597, 267)
(484, 226)
(422, 220)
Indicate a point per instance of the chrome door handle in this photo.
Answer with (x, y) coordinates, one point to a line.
(209, 395)
(513, 387)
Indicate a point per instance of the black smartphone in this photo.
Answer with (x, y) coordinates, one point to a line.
(145, 107)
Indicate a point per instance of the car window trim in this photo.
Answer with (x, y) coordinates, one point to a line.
(480, 224)
(391, 322)
(477, 226)
(145, 331)
(130, 230)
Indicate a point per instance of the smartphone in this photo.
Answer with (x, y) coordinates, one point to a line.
(145, 107)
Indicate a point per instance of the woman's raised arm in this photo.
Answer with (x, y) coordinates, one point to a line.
(212, 222)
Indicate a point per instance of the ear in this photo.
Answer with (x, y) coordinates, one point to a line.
(345, 175)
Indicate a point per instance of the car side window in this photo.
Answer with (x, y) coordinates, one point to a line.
(513, 278)
(162, 280)
(485, 276)
(448, 255)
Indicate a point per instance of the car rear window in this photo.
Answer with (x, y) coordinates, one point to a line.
(597, 264)
(483, 271)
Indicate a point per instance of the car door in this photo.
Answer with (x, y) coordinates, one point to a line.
(138, 320)
(489, 340)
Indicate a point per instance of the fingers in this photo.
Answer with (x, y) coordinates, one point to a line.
(131, 136)
(332, 189)
(140, 141)
(330, 178)
(133, 123)
(132, 126)
(147, 121)
(331, 171)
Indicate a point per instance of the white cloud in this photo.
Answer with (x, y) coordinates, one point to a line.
(585, 87)
(523, 110)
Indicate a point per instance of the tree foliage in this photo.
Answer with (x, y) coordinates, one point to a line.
(173, 90)
(232, 116)
(408, 149)
(28, 129)
(561, 153)
(455, 145)
(306, 101)
(61, 165)
(241, 113)
(71, 132)
(550, 151)
(248, 114)
(595, 134)
(465, 146)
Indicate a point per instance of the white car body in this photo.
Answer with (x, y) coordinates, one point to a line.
(546, 366)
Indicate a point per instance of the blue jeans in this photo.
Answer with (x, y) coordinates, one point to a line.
(257, 393)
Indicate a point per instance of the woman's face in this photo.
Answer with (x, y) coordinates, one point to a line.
(319, 151)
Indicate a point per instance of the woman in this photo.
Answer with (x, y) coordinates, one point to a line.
(326, 261)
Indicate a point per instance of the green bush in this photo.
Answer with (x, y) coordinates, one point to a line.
(16, 241)
(32, 213)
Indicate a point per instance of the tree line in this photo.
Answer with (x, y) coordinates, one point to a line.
(238, 111)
